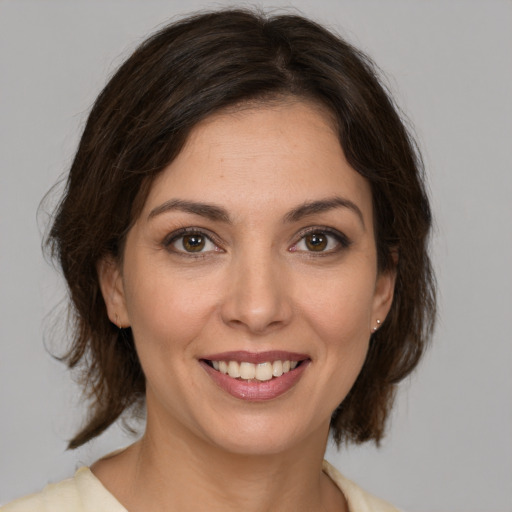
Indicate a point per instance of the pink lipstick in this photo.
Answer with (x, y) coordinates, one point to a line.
(256, 376)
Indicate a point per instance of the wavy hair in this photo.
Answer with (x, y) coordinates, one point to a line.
(140, 122)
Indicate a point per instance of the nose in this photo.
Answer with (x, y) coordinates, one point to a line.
(258, 295)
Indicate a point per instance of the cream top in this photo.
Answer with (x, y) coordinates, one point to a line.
(85, 493)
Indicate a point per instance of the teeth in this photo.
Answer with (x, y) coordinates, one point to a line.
(277, 369)
(248, 371)
(233, 369)
(264, 371)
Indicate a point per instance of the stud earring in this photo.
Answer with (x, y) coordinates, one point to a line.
(377, 326)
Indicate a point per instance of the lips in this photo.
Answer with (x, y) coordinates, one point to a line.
(256, 376)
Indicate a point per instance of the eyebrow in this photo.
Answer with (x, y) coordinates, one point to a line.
(323, 205)
(210, 211)
(217, 213)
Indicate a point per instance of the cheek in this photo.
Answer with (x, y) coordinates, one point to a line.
(340, 310)
(167, 311)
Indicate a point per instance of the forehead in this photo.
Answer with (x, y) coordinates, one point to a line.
(272, 156)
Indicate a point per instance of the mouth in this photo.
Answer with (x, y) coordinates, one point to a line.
(253, 372)
(256, 376)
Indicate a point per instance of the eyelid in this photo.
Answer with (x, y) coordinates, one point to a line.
(340, 237)
(190, 230)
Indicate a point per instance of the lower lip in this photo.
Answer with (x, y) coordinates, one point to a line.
(256, 391)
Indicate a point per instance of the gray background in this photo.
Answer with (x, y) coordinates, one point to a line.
(449, 64)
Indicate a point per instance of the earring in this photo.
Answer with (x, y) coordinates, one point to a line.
(377, 326)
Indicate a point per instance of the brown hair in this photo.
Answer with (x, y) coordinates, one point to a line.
(139, 123)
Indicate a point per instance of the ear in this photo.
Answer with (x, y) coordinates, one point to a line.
(383, 295)
(112, 289)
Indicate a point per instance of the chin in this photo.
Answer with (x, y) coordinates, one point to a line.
(265, 436)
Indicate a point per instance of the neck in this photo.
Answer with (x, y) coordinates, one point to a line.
(173, 471)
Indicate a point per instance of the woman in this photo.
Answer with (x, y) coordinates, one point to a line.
(244, 236)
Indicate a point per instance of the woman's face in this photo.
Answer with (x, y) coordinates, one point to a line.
(253, 255)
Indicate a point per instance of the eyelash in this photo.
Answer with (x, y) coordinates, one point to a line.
(190, 231)
(342, 241)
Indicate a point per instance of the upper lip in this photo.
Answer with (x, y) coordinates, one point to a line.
(256, 357)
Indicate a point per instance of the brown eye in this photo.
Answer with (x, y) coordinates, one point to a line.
(322, 241)
(316, 241)
(193, 243)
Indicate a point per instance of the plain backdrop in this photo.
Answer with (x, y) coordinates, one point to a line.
(449, 64)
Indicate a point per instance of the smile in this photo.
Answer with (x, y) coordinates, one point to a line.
(256, 377)
(248, 371)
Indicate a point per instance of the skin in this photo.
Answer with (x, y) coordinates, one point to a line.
(256, 285)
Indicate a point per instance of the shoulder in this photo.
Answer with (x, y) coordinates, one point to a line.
(82, 493)
(54, 497)
(358, 499)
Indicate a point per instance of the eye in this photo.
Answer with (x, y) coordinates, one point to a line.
(191, 242)
(321, 241)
